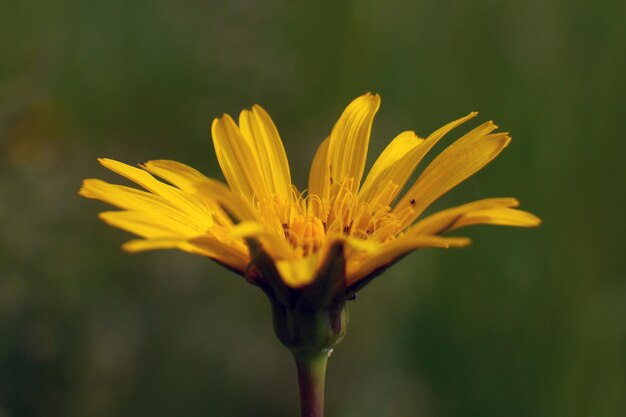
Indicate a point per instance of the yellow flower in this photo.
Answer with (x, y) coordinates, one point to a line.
(261, 225)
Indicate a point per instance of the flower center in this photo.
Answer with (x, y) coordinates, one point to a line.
(306, 233)
(306, 221)
(367, 220)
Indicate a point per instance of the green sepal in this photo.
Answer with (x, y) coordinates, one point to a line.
(272, 283)
(311, 318)
(310, 330)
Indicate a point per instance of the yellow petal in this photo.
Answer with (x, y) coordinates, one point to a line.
(319, 175)
(398, 161)
(274, 245)
(224, 249)
(142, 245)
(238, 160)
(395, 164)
(349, 140)
(232, 202)
(434, 137)
(141, 201)
(231, 256)
(500, 216)
(261, 133)
(148, 225)
(299, 272)
(455, 164)
(247, 229)
(164, 233)
(242, 212)
(122, 196)
(182, 176)
(189, 180)
(362, 245)
(444, 220)
(364, 264)
(185, 202)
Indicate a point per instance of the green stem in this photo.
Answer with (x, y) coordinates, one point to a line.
(311, 372)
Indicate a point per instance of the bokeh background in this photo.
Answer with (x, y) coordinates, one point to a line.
(522, 323)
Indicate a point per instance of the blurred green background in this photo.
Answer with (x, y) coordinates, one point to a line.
(522, 323)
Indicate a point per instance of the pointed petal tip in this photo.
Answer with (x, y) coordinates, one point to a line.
(469, 116)
(458, 242)
(214, 123)
(144, 165)
(218, 124)
(127, 248)
(221, 119)
(86, 181)
(82, 191)
(413, 134)
(86, 188)
(132, 246)
(521, 218)
(373, 98)
(111, 163)
(503, 137)
(533, 220)
(243, 114)
(491, 124)
(106, 216)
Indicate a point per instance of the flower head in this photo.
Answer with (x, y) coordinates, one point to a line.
(327, 241)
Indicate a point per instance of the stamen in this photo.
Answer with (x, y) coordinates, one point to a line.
(306, 221)
(306, 234)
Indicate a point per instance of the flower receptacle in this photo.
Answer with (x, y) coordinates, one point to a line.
(315, 330)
